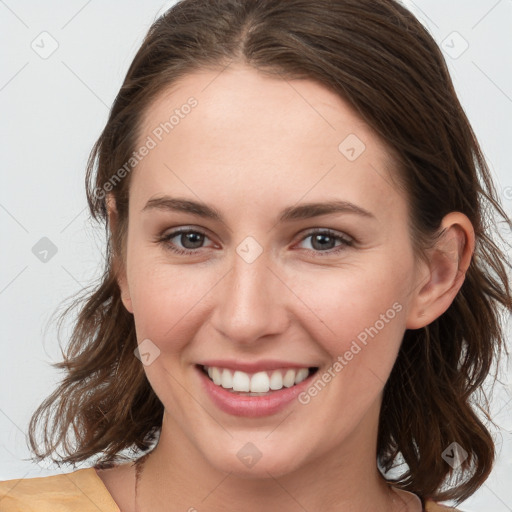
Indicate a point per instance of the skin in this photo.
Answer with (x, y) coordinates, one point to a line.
(253, 146)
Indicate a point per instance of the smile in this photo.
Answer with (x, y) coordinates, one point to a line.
(254, 384)
(254, 388)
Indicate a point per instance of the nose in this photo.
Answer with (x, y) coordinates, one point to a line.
(252, 302)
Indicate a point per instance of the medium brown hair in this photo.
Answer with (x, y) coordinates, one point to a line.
(378, 57)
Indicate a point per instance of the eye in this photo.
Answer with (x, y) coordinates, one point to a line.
(324, 240)
(190, 239)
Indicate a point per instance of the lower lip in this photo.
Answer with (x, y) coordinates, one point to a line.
(252, 406)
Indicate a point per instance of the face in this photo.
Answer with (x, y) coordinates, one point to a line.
(254, 282)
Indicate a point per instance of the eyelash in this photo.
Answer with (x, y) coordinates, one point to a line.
(345, 241)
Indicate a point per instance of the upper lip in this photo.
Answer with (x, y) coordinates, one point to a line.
(253, 366)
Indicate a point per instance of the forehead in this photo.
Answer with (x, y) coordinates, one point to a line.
(236, 103)
(252, 132)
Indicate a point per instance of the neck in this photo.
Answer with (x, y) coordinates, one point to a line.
(345, 479)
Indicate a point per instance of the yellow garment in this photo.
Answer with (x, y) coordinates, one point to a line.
(79, 491)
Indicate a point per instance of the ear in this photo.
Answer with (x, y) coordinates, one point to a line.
(118, 264)
(444, 272)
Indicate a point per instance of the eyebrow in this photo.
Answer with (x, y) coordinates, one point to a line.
(291, 213)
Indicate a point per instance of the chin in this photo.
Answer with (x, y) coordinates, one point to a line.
(249, 462)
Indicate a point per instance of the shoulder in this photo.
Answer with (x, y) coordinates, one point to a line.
(80, 491)
(432, 506)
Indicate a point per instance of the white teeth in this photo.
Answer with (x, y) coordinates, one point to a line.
(259, 382)
(227, 379)
(241, 381)
(301, 375)
(289, 378)
(276, 381)
(216, 377)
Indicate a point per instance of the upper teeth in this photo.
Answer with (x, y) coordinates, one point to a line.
(259, 382)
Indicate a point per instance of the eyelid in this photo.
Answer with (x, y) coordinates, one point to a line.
(329, 232)
(174, 232)
(347, 241)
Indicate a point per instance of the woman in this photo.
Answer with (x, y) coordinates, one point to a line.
(301, 292)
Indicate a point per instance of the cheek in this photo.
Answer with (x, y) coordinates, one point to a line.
(166, 300)
(359, 322)
(359, 312)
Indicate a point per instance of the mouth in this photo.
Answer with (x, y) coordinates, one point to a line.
(261, 383)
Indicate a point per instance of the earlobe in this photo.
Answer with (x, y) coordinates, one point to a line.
(118, 267)
(127, 302)
(125, 292)
(444, 272)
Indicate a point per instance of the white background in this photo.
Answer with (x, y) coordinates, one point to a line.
(53, 110)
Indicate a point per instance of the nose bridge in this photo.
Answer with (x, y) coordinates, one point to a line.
(251, 304)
